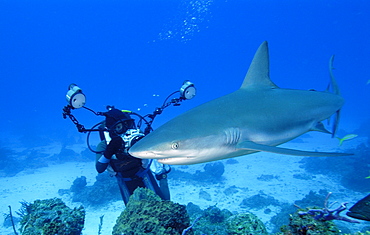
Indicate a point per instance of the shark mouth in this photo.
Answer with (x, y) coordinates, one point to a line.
(177, 160)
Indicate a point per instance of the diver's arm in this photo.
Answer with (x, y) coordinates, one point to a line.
(99, 164)
(102, 164)
(112, 148)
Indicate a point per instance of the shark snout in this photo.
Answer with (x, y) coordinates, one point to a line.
(143, 154)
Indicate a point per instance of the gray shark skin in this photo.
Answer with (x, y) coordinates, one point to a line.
(257, 117)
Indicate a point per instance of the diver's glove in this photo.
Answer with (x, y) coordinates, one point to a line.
(113, 147)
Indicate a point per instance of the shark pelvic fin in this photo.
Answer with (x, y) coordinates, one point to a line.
(272, 149)
(258, 75)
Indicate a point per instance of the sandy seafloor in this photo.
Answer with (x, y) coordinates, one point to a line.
(44, 183)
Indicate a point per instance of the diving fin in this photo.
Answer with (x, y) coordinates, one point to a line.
(361, 210)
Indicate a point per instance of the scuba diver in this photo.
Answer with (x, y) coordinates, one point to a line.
(129, 171)
(118, 132)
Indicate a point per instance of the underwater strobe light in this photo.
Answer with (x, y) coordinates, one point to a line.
(75, 98)
(187, 91)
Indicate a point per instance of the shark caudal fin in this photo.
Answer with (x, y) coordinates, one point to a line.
(334, 88)
(333, 85)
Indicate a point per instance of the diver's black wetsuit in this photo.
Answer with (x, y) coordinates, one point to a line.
(127, 167)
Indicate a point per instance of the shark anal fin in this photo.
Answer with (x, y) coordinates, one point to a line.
(320, 127)
(272, 149)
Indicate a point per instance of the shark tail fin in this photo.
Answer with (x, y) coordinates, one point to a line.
(333, 85)
(334, 88)
(335, 124)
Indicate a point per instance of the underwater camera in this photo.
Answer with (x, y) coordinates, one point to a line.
(76, 99)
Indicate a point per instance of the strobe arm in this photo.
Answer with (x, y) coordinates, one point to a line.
(67, 113)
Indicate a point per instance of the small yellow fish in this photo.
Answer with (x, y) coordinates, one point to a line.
(346, 137)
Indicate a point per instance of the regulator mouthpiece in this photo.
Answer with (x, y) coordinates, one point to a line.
(75, 98)
(187, 91)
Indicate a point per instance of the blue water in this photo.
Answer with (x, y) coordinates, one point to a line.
(132, 54)
(123, 52)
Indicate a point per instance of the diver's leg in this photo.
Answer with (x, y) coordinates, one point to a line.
(163, 186)
(152, 184)
(134, 184)
(123, 189)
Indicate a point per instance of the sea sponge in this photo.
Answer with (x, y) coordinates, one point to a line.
(221, 222)
(306, 224)
(245, 223)
(51, 216)
(147, 213)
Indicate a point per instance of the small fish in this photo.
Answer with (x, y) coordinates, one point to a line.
(346, 137)
(368, 82)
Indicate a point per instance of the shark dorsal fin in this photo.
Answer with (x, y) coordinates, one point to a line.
(259, 70)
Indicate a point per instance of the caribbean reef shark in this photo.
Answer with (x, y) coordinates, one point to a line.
(257, 117)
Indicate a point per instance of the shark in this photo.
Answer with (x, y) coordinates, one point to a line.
(257, 117)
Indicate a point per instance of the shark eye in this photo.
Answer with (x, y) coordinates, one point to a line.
(175, 145)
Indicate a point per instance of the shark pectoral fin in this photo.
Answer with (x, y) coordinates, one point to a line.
(265, 148)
